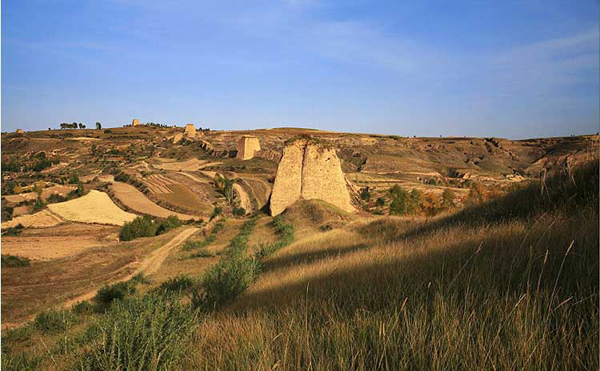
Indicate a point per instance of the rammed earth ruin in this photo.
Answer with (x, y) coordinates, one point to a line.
(309, 170)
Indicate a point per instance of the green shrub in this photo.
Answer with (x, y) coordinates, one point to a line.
(380, 201)
(109, 293)
(176, 284)
(52, 321)
(286, 237)
(239, 211)
(39, 204)
(83, 307)
(147, 227)
(403, 202)
(365, 194)
(140, 278)
(11, 231)
(202, 253)
(139, 227)
(216, 212)
(227, 279)
(448, 199)
(7, 212)
(20, 362)
(152, 332)
(15, 334)
(11, 261)
(170, 223)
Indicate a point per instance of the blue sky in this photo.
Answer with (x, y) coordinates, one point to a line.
(513, 69)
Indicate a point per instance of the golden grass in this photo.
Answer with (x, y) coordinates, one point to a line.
(459, 297)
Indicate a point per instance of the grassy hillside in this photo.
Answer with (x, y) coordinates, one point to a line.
(512, 284)
(508, 285)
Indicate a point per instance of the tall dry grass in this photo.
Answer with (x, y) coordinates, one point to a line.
(509, 285)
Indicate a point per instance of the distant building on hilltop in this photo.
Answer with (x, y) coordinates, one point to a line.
(135, 122)
(247, 147)
(19, 131)
(190, 130)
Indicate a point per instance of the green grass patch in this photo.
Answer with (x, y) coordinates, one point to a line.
(11, 261)
(152, 332)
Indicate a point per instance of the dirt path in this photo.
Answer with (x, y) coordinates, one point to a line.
(149, 265)
(244, 199)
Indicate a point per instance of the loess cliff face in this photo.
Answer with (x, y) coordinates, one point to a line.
(247, 147)
(309, 170)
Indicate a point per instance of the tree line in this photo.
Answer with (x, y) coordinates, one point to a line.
(66, 125)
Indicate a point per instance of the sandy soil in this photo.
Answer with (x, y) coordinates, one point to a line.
(44, 218)
(95, 207)
(58, 242)
(137, 201)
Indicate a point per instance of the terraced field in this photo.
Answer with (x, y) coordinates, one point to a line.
(129, 196)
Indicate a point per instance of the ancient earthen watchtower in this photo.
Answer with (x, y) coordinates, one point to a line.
(135, 122)
(247, 147)
(19, 131)
(190, 130)
(309, 170)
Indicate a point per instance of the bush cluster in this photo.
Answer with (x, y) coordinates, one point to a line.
(14, 261)
(286, 237)
(147, 227)
(225, 280)
(152, 332)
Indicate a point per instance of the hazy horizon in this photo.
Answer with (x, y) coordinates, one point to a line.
(514, 70)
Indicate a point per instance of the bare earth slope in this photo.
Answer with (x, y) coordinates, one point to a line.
(95, 207)
(137, 201)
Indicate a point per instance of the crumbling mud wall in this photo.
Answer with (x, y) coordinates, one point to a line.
(309, 170)
(190, 131)
(247, 147)
(287, 188)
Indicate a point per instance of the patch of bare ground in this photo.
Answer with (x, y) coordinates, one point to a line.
(59, 242)
(63, 282)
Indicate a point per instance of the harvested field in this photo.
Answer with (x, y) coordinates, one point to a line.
(191, 164)
(95, 207)
(195, 178)
(44, 284)
(59, 241)
(158, 183)
(180, 196)
(136, 200)
(44, 218)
